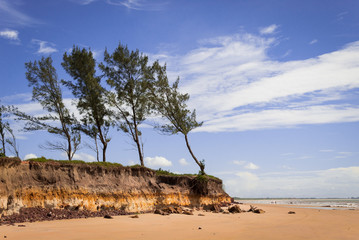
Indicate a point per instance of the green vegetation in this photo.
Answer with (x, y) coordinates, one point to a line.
(171, 104)
(136, 90)
(159, 172)
(46, 90)
(87, 88)
(132, 78)
(104, 164)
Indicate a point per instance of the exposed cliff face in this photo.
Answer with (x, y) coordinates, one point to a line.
(26, 184)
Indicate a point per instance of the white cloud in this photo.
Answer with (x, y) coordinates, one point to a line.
(183, 162)
(240, 163)
(157, 162)
(10, 34)
(29, 156)
(269, 29)
(246, 165)
(313, 41)
(236, 86)
(45, 47)
(131, 162)
(335, 182)
(83, 156)
(251, 166)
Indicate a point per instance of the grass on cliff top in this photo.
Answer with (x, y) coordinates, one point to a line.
(105, 164)
(200, 177)
(159, 172)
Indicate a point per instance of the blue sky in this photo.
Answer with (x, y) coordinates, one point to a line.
(275, 82)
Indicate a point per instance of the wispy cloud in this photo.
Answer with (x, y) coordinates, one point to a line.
(142, 5)
(83, 2)
(9, 15)
(10, 34)
(269, 29)
(340, 16)
(44, 47)
(326, 150)
(313, 41)
(236, 86)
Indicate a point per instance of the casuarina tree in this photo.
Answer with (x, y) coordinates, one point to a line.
(129, 73)
(171, 104)
(86, 87)
(46, 90)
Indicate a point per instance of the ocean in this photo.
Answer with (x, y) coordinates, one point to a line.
(317, 203)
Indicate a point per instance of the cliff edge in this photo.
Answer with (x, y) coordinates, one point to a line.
(91, 187)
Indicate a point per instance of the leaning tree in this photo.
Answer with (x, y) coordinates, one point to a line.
(171, 104)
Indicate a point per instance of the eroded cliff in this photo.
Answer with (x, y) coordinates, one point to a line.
(56, 185)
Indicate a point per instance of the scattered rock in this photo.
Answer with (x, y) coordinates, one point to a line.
(213, 208)
(234, 209)
(259, 211)
(135, 216)
(21, 225)
(226, 212)
(201, 215)
(256, 210)
(187, 212)
(199, 228)
(291, 212)
(107, 216)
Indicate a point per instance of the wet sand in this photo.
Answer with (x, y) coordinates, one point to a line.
(276, 224)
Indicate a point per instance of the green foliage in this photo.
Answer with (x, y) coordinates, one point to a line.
(103, 164)
(171, 104)
(132, 78)
(86, 87)
(1, 153)
(46, 90)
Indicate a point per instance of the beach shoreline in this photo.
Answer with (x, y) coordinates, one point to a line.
(275, 223)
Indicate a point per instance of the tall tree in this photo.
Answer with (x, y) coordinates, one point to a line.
(46, 90)
(130, 75)
(86, 87)
(171, 104)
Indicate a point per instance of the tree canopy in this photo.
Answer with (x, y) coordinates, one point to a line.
(129, 73)
(90, 94)
(46, 90)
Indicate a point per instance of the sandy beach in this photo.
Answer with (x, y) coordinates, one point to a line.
(276, 223)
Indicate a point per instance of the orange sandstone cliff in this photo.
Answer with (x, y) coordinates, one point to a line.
(55, 185)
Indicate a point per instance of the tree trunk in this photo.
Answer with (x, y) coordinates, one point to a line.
(69, 148)
(201, 166)
(3, 144)
(104, 151)
(139, 151)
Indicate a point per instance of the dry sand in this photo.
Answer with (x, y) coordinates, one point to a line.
(276, 224)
